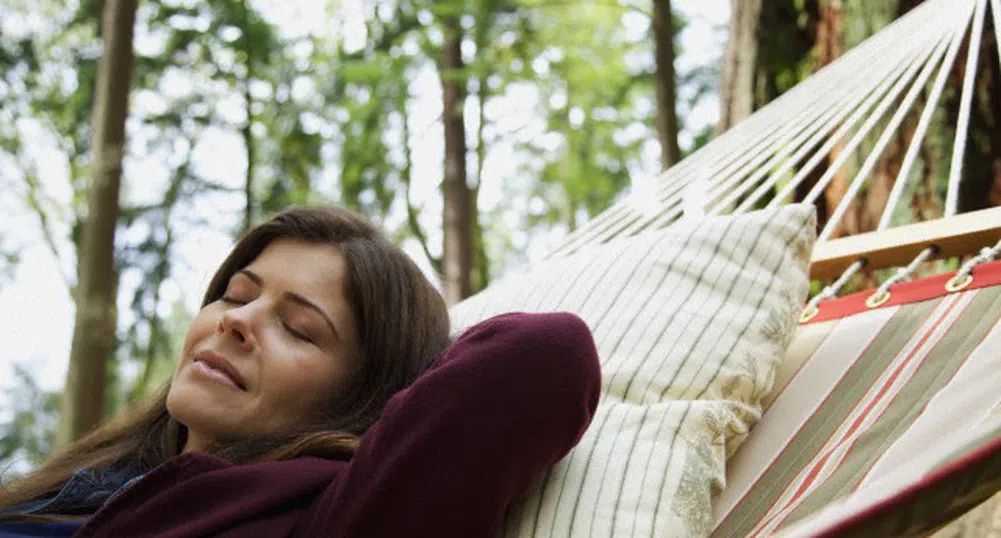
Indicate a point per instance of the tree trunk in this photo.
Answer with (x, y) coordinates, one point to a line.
(246, 131)
(739, 61)
(667, 115)
(94, 329)
(457, 223)
(248, 180)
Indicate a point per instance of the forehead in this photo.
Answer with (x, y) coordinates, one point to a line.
(306, 267)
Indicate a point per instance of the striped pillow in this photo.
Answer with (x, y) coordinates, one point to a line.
(689, 322)
(884, 422)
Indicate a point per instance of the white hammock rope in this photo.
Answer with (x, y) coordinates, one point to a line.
(882, 294)
(824, 123)
(922, 128)
(964, 276)
(861, 93)
(972, 55)
(717, 159)
(846, 153)
(745, 140)
(891, 131)
(737, 148)
(813, 102)
(832, 113)
(811, 309)
(817, 125)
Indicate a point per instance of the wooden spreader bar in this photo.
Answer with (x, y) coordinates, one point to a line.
(958, 235)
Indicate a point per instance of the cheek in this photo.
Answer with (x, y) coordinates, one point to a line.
(201, 326)
(315, 380)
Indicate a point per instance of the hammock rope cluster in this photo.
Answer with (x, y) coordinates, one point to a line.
(828, 117)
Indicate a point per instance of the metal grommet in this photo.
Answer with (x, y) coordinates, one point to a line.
(958, 283)
(877, 299)
(809, 313)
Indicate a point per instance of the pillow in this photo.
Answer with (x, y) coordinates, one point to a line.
(690, 322)
(883, 422)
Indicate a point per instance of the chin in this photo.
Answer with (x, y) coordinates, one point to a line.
(200, 409)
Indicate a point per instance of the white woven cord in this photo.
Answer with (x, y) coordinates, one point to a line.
(847, 152)
(824, 151)
(848, 96)
(962, 126)
(790, 141)
(732, 150)
(926, 116)
(884, 140)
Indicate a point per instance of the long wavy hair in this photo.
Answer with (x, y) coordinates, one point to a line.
(402, 325)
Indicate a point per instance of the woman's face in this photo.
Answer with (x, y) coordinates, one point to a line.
(268, 355)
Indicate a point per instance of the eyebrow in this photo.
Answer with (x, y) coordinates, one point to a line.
(296, 298)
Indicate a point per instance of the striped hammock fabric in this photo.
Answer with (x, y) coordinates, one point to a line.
(882, 421)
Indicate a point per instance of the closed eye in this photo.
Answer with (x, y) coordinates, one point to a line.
(296, 333)
(286, 326)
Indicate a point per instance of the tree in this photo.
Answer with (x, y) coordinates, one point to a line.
(457, 224)
(94, 328)
(599, 106)
(664, 83)
(739, 61)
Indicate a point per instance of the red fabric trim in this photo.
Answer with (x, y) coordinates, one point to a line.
(988, 274)
(978, 456)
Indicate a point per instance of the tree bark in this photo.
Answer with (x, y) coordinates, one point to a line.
(664, 83)
(94, 330)
(739, 61)
(246, 131)
(457, 223)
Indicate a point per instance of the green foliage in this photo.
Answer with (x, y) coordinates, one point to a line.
(9, 258)
(323, 120)
(786, 54)
(594, 74)
(27, 423)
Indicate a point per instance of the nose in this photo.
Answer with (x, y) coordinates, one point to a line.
(236, 323)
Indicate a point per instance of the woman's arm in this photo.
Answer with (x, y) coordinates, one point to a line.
(507, 400)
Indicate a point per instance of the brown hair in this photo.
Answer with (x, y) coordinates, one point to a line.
(402, 324)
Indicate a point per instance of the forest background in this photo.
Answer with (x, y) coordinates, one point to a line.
(138, 139)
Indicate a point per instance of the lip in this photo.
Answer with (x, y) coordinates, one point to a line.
(219, 363)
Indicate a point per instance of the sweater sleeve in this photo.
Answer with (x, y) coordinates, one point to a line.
(507, 400)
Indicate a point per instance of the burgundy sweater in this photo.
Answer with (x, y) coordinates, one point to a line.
(507, 400)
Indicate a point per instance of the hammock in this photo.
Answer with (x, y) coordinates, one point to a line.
(883, 421)
(885, 418)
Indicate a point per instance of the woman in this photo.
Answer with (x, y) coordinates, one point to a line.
(317, 394)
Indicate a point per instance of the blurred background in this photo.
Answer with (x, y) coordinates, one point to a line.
(138, 140)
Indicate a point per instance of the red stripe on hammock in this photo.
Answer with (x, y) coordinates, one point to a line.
(985, 275)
